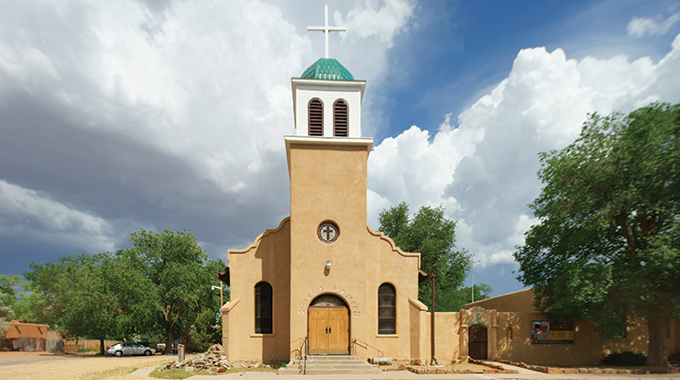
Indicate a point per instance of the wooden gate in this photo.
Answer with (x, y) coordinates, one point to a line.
(328, 330)
(477, 341)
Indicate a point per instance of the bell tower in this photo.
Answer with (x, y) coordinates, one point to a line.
(326, 98)
(327, 101)
(327, 165)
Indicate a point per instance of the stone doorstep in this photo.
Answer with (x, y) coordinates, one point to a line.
(329, 365)
(346, 371)
(329, 371)
(332, 362)
(337, 366)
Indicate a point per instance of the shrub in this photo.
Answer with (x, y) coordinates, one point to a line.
(208, 330)
(625, 358)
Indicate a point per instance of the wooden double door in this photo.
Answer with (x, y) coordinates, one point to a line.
(477, 341)
(328, 330)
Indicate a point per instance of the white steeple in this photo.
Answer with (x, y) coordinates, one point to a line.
(326, 97)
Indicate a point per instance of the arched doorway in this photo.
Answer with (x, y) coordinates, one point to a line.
(477, 341)
(328, 326)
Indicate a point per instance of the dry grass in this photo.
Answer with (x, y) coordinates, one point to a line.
(82, 367)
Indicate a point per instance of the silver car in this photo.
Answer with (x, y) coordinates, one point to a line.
(129, 348)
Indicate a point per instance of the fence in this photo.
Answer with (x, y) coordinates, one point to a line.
(80, 345)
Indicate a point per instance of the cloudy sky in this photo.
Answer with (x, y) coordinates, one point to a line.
(121, 115)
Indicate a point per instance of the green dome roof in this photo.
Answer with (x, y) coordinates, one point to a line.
(327, 68)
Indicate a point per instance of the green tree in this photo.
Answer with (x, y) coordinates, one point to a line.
(463, 296)
(607, 244)
(207, 330)
(73, 296)
(178, 278)
(434, 237)
(7, 298)
(155, 287)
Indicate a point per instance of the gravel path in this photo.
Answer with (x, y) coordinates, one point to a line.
(79, 367)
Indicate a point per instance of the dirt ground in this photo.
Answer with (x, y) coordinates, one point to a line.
(41, 365)
(462, 366)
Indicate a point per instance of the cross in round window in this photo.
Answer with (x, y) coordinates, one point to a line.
(328, 232)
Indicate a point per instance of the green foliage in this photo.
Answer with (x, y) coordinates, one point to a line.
(7, 298)
(73, 296)
(434, 237)
(625, 358)
(156, 287)
(463, 295)
(207, 330)
(176, 276)
(607, 245)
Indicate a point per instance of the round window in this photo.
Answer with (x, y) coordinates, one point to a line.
(328, 232)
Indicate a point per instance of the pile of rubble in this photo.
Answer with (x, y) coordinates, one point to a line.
(212, 360)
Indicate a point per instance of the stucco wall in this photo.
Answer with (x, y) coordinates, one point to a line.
(328, 183)
(588, 348)
(520, 301)
(267, 259)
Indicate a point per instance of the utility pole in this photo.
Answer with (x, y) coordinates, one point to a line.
(434, 358)
(472, 277)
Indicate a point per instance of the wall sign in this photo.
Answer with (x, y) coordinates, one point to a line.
(543, 332)
(336, 290)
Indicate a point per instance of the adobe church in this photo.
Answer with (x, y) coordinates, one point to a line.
(325, 283)
(323, 275)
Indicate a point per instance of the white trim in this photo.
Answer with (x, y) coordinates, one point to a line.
(323, 85)
(319, 140)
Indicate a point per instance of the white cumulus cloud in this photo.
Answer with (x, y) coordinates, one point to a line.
(484, 169)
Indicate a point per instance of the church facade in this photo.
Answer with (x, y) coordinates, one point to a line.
(323, 279)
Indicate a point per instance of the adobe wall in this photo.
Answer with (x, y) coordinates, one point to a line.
(328, 184)
(388, 264)
(267, 259)
(588, 348)
(519, 301)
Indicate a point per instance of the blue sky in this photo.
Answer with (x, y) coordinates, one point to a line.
(461, 48)
(171, 114)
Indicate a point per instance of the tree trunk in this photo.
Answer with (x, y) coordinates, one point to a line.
(168, 342)
(658, 327)
(101, 346)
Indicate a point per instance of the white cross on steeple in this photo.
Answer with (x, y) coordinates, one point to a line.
(326, 29)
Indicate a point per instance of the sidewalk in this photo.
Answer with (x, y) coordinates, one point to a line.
(401, 375)
(524, 374)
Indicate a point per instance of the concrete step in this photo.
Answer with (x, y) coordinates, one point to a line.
(330, 365)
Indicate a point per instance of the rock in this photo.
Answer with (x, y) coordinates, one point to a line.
(382, 361)
(212, 360)
(216, 347)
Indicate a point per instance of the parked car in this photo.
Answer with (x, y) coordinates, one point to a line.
(129, 348)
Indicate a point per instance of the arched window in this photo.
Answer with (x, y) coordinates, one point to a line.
(340, 128)
(508, 333)
(386, 309)
(263, 308)
(315, 119)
